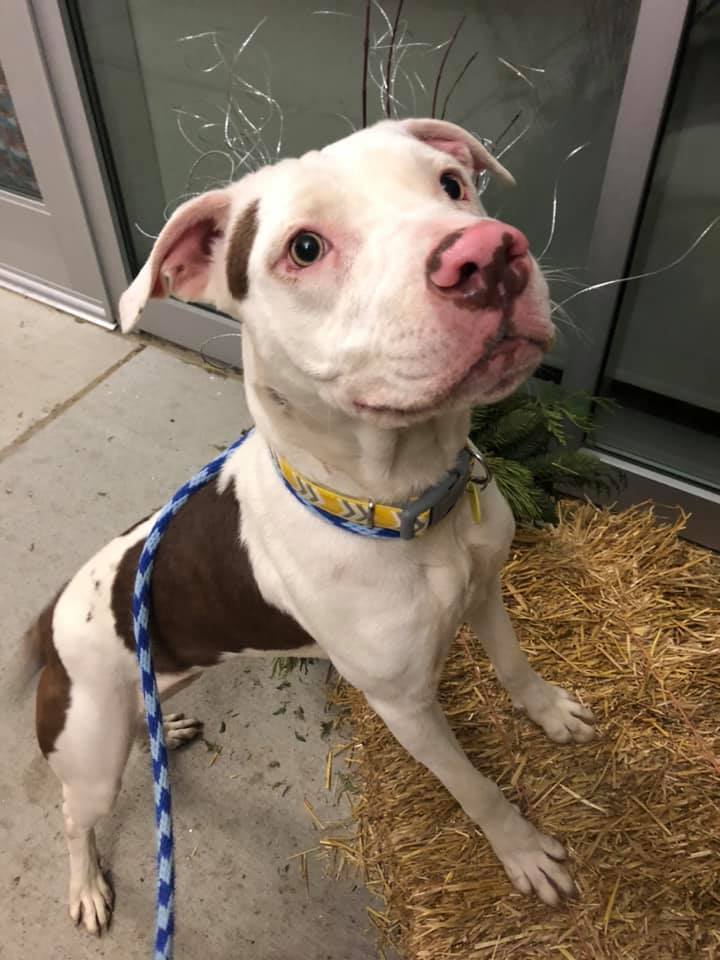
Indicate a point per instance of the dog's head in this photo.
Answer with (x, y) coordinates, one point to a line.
(367, 274)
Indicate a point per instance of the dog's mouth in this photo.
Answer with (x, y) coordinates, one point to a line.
(494, 374)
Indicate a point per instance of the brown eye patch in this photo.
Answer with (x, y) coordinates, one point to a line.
(238, 255)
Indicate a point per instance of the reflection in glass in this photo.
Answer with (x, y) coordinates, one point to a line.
(176, 81)
(16, 170)
(664, 365)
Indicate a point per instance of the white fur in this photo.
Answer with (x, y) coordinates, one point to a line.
(360, 326)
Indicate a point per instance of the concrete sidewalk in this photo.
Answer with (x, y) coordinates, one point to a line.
(95, 431)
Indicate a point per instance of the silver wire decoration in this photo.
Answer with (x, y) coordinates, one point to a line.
(648, 273)
(247, 131)
(220, 365)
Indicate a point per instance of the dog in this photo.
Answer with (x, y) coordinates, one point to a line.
(379, 303)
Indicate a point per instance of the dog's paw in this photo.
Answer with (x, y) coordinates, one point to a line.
(180, 729)
(91, 903)
(561, 716)
(532, 860)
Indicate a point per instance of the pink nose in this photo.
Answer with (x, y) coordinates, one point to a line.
(479, 260)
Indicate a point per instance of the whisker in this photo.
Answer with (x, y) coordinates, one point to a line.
(565, 321)
(558, 276)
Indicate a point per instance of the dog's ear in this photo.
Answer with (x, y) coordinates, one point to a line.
(452, 139)
(182, 257)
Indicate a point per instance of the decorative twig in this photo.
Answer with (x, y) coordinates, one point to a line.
(388, 91)
(442, 65)
(507, 130)
(706, 9)
(459, 78)
(366, 51)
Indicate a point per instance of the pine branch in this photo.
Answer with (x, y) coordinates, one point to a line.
(525, 439)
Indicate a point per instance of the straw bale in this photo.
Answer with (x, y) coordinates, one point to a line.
(617, 608)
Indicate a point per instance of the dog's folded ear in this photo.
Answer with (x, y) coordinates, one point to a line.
(452, 139)
(181, 260)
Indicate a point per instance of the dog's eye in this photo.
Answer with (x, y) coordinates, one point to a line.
(452, 185)
(306, 248)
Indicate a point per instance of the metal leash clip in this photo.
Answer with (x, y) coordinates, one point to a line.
(483, 480)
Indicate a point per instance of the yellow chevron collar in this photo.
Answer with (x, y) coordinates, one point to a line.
(388, 519)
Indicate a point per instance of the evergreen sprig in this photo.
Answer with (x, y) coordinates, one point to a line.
(526, 440)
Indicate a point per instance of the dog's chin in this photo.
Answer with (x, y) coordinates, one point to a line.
(489, 380)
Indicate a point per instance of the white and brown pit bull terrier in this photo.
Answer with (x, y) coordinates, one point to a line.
(379, 303)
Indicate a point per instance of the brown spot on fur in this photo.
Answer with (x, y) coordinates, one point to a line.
(239, 249)
(88, 616)
(434, 261)
(53, 692)
(205, 600)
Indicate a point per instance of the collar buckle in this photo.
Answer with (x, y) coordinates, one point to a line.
(478, 461)
(438, 499)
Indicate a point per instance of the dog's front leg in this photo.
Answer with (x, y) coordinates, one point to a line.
(562, 718)
(531, 859)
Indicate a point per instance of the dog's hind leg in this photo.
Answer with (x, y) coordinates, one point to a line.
(90, 897)
(88, 756)
(180, 729)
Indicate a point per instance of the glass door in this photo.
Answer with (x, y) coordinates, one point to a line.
(179, 97)
(663, 365)
(189, 96)
(46, 250)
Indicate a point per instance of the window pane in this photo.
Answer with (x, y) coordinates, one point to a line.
(16, 170)
(180, 93)
(663, 365)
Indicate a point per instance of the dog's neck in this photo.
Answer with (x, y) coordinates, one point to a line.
(353, 456)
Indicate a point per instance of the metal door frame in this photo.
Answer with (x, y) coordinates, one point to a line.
(656, 52)
(184, 324)
(61, 210)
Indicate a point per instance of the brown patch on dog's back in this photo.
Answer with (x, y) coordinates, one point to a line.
(53, 692)
(205, 600)
(239, 252)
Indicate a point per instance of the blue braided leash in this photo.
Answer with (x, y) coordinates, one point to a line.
(164, 915)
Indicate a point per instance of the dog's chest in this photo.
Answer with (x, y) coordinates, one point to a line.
(351, 590)
(467, 557)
